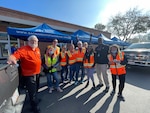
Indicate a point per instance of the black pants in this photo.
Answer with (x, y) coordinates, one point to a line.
(31, 83)
(121, 82)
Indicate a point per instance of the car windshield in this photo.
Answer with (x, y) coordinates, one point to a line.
(140, 45)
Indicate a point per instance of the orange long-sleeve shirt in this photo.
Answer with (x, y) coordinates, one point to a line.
(30, 60)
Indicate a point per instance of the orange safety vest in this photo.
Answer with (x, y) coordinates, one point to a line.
(80, 55)
(71, 57)
(117, 69)
(63, 60)
(56, 50)
(87, 63)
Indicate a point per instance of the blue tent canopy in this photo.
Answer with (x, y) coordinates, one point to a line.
(83, 36)
(106, 40)
(120, 42)
(115, 39)
(44, 33)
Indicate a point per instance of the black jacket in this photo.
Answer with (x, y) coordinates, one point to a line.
(101, 53)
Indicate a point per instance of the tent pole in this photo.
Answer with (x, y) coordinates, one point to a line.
(24, 43)
(9, 46)
(18, 41)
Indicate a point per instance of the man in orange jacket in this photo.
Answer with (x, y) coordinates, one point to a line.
(30, 61)
(117, 62)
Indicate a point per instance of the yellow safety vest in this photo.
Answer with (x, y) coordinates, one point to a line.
(50, 62)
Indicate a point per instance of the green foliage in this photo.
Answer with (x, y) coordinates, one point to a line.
(100, 27)
(128, 24)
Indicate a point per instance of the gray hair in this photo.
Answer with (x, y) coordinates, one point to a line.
(79, 42)
(32, 37)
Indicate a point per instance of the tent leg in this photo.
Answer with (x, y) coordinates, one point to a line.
(9, 46)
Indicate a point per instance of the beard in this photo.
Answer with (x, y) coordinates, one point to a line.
(35, 45)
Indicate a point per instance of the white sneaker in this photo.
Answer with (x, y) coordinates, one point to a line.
(59, 89)
(51, 89)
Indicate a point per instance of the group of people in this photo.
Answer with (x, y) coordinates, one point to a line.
(83, 57)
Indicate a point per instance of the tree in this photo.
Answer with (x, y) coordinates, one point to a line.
(128, 24)
(100, 26)
(134, 40)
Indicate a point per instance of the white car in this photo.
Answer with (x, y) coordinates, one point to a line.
(138, 54)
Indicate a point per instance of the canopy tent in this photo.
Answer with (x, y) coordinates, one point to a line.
(106, 40)
(83, 36)
(120, 42)
(44, 33)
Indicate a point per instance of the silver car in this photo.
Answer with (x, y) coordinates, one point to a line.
(138, 54)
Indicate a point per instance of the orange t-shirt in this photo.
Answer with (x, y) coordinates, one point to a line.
(30, 60)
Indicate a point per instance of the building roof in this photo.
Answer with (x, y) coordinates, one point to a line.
(13, 16)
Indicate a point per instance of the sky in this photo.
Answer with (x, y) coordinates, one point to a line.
(80, 12)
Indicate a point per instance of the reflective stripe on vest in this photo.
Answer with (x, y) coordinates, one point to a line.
(63, 61)
(88, 64)
(56, 50)
(80, 55)
(117, 69)
(50, 62)
(72, 57)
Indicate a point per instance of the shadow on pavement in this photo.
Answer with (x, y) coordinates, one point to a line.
(68, 102)
(105, 106)
(116, 107)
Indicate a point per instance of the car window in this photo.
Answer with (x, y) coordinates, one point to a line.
(136, 46)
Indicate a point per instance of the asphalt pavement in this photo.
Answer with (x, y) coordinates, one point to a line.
(77, 99)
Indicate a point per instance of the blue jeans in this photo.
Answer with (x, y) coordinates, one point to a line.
(90, 72)
(64, 70)
(72, 70)
(49, 79)
(79, 65)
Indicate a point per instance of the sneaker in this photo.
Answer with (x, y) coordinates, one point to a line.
(59, 89)
(112, 93)
(51, 89)
(76, 83)
(66, 79)
(81, 81)
(100, 85)
(106, 89)
(94, 88)
(121, 97)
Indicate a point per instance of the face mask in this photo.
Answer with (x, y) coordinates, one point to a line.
(114, 52)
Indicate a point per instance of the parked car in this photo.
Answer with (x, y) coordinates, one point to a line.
(138, 54)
